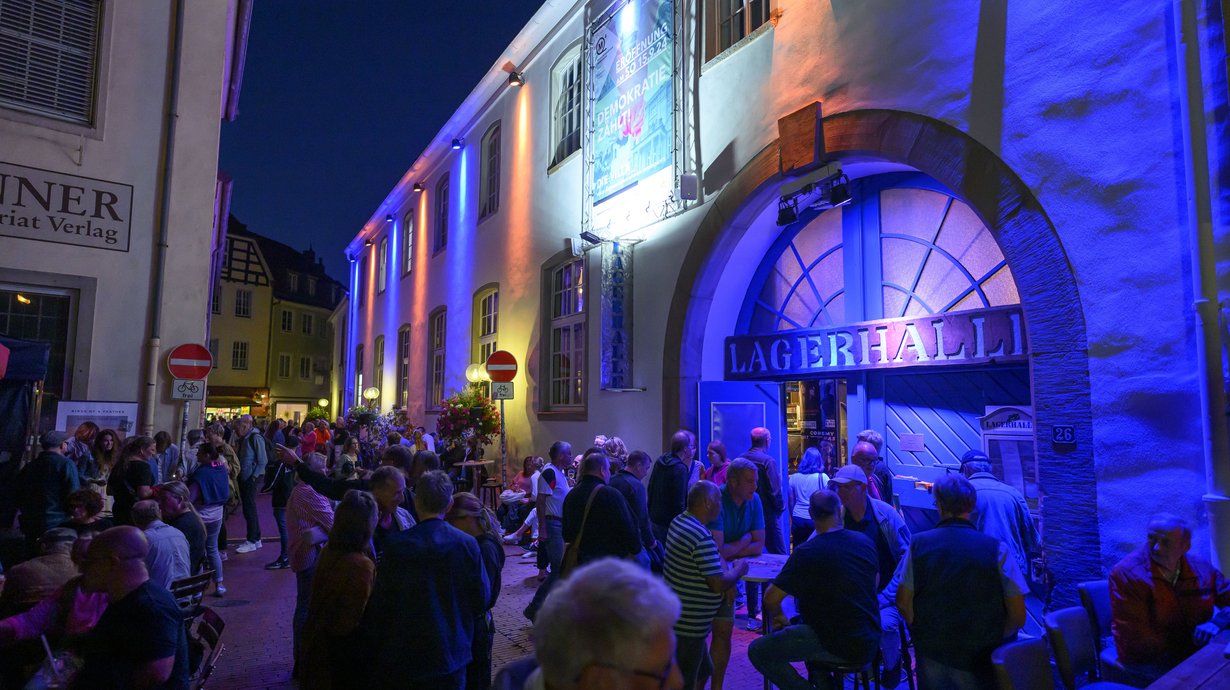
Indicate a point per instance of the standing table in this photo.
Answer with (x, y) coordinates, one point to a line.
(474, 465)
(1207, 669)
(764, 568)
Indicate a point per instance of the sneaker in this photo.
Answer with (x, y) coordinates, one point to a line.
(891, 677)
(280, 564)
(220, 590)
(248, 547)
(752, 624)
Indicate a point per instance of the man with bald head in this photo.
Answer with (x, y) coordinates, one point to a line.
(140, 640)
(769, 486)
(832, 577)
(1165, 602)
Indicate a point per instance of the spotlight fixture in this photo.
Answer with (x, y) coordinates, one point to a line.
(367, 242)
(388, 218)
(458, 143)
(418, 187)
(591, 237)
(839, 193)
(516, 78)
(787, 212)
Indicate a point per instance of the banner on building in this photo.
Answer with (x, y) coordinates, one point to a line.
(978, 336)
(632, 59)
(120, 416)
(49, 206)
(616, 313)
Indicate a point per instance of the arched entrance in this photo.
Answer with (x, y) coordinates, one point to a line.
(1058, 364)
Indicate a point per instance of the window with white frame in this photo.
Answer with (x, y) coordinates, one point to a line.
(288, 321)
(489, 178)
(49, 57)
(403, 366)
(243, 304)
(435, 371)
(378, 370)
(284, 365)
(239, 355)
(441, 239)
(407, 230)
(566, 339)
(215, 305)
(566, 100)
(213, 352)
(382, 265)
(305, 368)
(311, 286)
(729, 21)
(306, 323)
(488, 323)
(293, 278)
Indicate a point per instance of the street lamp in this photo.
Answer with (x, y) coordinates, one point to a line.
(323, 402)
(370, 395)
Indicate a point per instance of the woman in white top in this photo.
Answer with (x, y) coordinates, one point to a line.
(803, 484)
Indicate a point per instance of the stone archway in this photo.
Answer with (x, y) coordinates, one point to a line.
(1059, 365)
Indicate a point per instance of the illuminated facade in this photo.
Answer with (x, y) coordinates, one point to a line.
(1028, 205)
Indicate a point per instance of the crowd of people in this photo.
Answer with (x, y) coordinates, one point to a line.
(642, 562)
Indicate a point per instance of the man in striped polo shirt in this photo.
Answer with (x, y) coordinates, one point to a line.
(694, 572)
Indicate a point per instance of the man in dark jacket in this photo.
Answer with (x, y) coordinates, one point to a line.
(629, 482)
(961, 593)
(43, 487)
(430, 589)
(769, 486)
(668, 485)
(609, 529)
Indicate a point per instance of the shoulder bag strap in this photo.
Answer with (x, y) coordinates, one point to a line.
(585, 517)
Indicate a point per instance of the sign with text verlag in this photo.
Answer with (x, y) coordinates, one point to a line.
(190, 361)
(48, 206)
(502, 366)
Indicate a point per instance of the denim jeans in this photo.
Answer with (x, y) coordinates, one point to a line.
(932, 675)
(303, 593)
(212, 555)
(773, 654)
(890, 636)
(247, 497)
(552, 543)
(279, 516)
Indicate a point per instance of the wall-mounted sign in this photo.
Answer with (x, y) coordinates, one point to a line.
(53, 207)
(952, 339)
(121, 416)
(616, 314)
(633, 60)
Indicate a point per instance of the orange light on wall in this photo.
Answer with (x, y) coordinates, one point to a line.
(518, 243)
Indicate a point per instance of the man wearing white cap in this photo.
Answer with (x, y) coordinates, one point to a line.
(1002, 511)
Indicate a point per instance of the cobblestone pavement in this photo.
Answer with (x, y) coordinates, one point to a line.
(258, 605)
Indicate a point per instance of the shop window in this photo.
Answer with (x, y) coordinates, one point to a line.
(403, 366)
(45, 315)
(565, 360)
(435, 360)
(408, 231)
(288, 321)
(378, 370)
(283, 366)
(441, 237)
(729, 21)
(566, 100)
(239, 355)
(243, 304)
(489, 177)
(382, 265)
(50, 57)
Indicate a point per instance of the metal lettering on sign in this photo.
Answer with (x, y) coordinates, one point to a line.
(952, 339)
(187, 389)
(501, 391)
(1063, 434)
(49, 206)
(616, 313)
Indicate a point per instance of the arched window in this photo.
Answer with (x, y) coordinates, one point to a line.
(441, 237)
(378, 371)
(489, 178)
(435, 359)
(566, 99)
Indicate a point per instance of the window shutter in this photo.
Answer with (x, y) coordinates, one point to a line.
(48, 57)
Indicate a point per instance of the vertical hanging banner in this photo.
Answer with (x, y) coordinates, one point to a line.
(632, 58)
(616, 312)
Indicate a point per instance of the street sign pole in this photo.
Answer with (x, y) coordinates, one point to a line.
(503, 449)
(183, 431)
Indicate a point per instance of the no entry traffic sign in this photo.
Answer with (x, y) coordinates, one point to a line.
(502, 366)
(190, 361)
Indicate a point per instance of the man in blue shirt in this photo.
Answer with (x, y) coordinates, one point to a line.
(739, 533)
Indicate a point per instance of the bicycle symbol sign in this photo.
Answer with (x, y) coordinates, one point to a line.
(187, 389)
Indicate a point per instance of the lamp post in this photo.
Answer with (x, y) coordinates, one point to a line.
(370, 394)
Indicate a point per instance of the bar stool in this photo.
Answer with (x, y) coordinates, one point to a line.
(838, 672)
(490, 493)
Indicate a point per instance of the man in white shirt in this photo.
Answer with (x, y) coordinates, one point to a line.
(167, 558)
(550, 489)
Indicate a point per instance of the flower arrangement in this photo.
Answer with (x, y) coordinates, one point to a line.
(468, 415)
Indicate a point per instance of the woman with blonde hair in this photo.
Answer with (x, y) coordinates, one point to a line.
(345, 571)
(471, 516)
(617, 452)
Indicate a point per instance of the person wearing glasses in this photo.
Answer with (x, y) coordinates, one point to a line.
(609, 625)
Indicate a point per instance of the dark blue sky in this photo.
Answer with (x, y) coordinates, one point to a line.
(338, 100)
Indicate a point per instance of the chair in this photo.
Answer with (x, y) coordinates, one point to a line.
(1023, 665)
(189, 591)
(1095, 598)
(206, 636)
(1072, 641)
(838, 672)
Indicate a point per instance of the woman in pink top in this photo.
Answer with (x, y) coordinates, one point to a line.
(718, 463)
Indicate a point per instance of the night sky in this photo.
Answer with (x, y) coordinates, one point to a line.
(338, 100)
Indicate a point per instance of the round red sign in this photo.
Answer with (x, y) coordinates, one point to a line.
(189, 361)
(502, 366)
